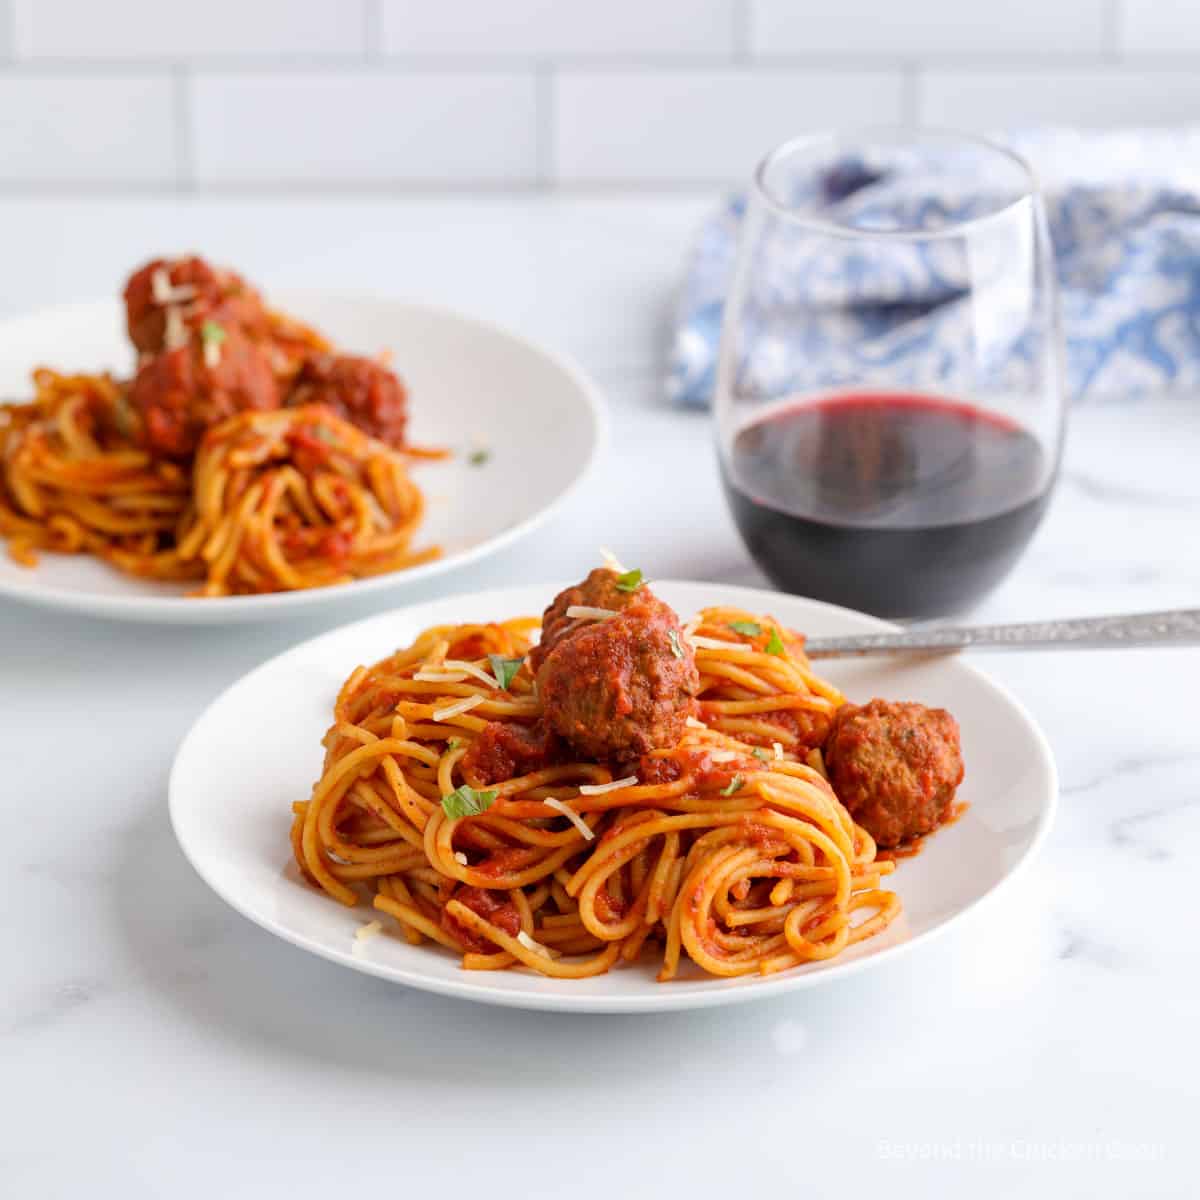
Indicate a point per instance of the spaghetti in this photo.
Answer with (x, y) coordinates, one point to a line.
(213, 465)
(727, 847)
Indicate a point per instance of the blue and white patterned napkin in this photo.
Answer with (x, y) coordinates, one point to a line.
(1124, 216)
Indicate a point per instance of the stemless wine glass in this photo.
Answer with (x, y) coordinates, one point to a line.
(889, 404)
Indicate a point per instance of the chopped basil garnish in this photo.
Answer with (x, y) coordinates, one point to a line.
(212, 334)
(775, 645)
(630, 581)
(676, 648)
(478, 457)
(454, 743)
(504, 668)
(761, 754)
(467, 802)
(734, 784)
(749, 628)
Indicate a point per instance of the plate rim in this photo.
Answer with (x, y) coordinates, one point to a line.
(189, 610)
(666, 999)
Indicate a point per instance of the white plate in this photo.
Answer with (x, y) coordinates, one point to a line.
(257, 749)
(471, 385)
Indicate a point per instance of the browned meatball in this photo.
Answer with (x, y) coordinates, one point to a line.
(179, 394)
(204, 294)
(623, 686)
(598, 590)
(358, 389)
(895, 767)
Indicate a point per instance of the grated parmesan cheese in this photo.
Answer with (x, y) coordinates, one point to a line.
(428, 676)
(461, 859)
(164, 292)
(707, 643)
(457, 664)
(453, 710)
(719, 756)
(571, 816)
(175, 334)
(212, 354)
(692, 723)
(536, 947)
(598, 789)
(363, 934)
(778, 748)
(586, 612)
(612, 562)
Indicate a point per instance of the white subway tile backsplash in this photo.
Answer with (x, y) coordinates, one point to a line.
(347, 93)
(336, 129)
(933, 27)
(1158, 26)
(541, 28)
(130, 29)
(995, 99)
(703, 126)
(111, 129)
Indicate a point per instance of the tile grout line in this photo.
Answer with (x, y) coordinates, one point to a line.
(742, 31)
(372, 16)
(546, 125)
(766, 63)
(181, 99)
(1112, 30)
(910, 93)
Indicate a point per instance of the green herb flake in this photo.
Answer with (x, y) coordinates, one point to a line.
(454, 743)
(761, 754)
(676, 648)
(212, 334)
(477, 458)
(630, 581)
(775, 645)
(466, 802)
(734, 785)
(746, 628)
(504, 668)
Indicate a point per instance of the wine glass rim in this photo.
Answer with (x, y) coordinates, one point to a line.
(1032, 188)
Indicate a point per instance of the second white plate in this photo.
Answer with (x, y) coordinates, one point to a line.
(535, 418)
(257, 749)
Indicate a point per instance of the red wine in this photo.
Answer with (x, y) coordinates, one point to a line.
(905, 506)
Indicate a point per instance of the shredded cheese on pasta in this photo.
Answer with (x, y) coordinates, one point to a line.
(598, 789)
(707, 643)
(536, 947)
(453, 710)
(457, 664)
(571, 815)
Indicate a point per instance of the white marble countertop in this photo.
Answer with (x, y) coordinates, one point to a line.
(154, 1043)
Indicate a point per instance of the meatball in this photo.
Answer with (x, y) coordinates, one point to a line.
(204, 294)
(179, 394)
(621, 687)
(895, 767)
(492, 906)
(502, 751)
(598, 590)
(358, 389)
